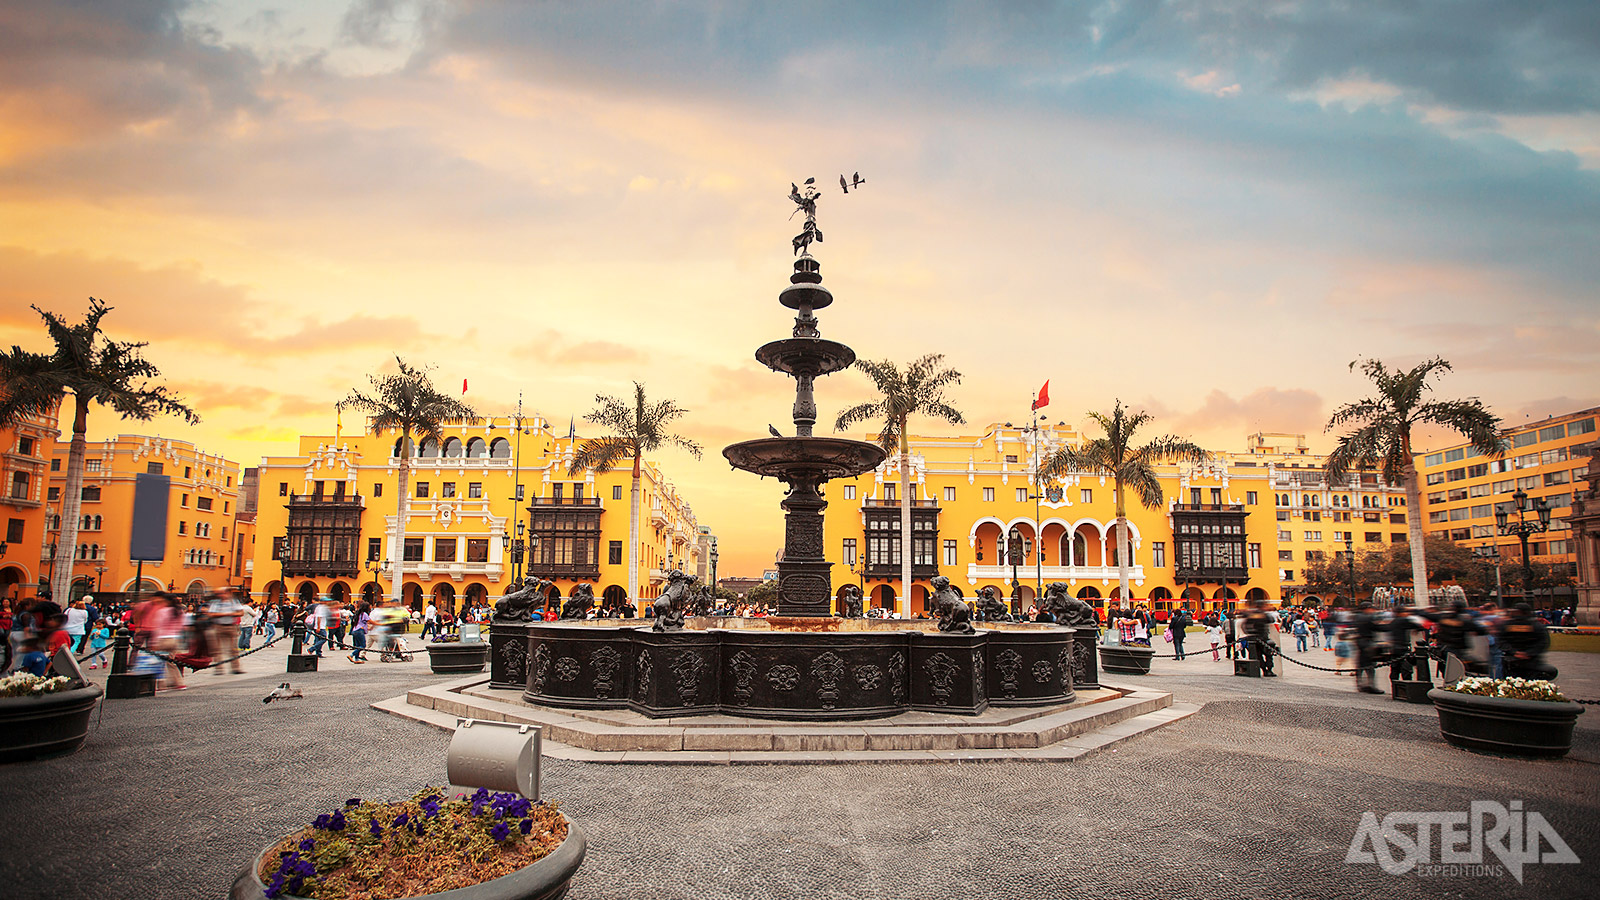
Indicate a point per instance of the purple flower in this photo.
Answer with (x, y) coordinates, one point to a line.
(336, 823)
(481, 794)
(430, 807)
(401, 820)
(353, 801)
(275, 887)
(500, 831)
(526, 826)
(308, 845)
(417, 827)
(295, 884)
(375, 828)
(323, 821)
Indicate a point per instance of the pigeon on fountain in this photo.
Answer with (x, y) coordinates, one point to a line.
(774, 432)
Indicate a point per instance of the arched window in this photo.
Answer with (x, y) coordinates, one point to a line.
(477, 449)
(94, 551)
(430, 447)
(97, 521)
(452, 447)
(83, 551)
(409, 443)
(500, 448)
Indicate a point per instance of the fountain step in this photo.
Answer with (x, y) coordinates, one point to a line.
(1096, 720)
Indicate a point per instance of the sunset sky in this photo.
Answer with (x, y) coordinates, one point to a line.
(1206, 208)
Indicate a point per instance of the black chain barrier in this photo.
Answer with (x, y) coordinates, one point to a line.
(211, 665)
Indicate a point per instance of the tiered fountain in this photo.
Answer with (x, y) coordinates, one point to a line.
(804, 663)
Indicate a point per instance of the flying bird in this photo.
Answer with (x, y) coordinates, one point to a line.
(283, 692)
(774, 432)
(811, 181)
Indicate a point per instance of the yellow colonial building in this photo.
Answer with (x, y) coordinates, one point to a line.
(25, 451)
(1238, 525)
(324, 518)
(1546, 460)
(202, 500)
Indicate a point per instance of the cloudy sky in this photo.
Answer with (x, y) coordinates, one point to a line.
(1205, 207)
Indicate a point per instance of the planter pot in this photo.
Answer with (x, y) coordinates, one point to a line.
(1536, 728)
(1125, 659)
(47, 725)
(460, 658)
(547, 879)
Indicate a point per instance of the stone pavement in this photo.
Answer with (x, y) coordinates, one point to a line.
(1256, 795)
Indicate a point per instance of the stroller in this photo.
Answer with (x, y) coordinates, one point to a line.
(385, 638)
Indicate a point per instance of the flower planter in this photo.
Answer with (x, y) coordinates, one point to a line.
(1501, 725)
(47, 725)
(547, 879)
(1126, 659)
(458, 658)
(1411, 691)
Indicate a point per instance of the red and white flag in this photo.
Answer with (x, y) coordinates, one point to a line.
(1044, 396)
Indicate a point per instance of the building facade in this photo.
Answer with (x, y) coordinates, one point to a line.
(1239, 525)
(202, 502)
(1547, 460)
(25, 453)
(324, 519)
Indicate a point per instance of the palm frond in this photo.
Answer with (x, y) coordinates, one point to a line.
(1468, 418)
(600, 454)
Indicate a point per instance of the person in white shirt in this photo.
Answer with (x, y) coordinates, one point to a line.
(430, 621)
(77, 623)
(319, 623)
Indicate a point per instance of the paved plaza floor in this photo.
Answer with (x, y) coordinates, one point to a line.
(1257, 795)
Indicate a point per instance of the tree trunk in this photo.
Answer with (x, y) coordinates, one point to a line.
(633, 531)
(71, 505)
(1122, 549)
(402, 510)
(904, 603)
(1419, 562)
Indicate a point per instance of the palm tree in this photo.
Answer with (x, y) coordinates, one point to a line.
(636, 429)
(408, 402)
(1128, 466)
(95, 370)
(920, 389)
(1382, 438)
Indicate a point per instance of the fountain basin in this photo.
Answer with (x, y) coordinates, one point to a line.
(793, 668)
(805, 356)
(818, 458)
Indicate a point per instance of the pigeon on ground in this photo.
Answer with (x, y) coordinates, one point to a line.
(283, 692)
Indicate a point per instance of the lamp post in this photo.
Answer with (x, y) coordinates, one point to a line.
(99, 575)
(1523, 527)
(376, 568)
(713, 567)
(1014, 557)
(1350, 563)
(1492, 551)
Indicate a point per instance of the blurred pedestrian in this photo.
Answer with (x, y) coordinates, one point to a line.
(99, 638)
(358, 634)
(1526, 641)
(224, 614)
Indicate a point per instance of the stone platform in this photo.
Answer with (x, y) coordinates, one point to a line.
(1095, 719)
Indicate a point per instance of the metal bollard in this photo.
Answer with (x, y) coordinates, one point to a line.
(500, 756)
(298, 661)
(122, 684)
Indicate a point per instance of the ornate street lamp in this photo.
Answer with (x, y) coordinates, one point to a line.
(1350, 562)
(1523, 527)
